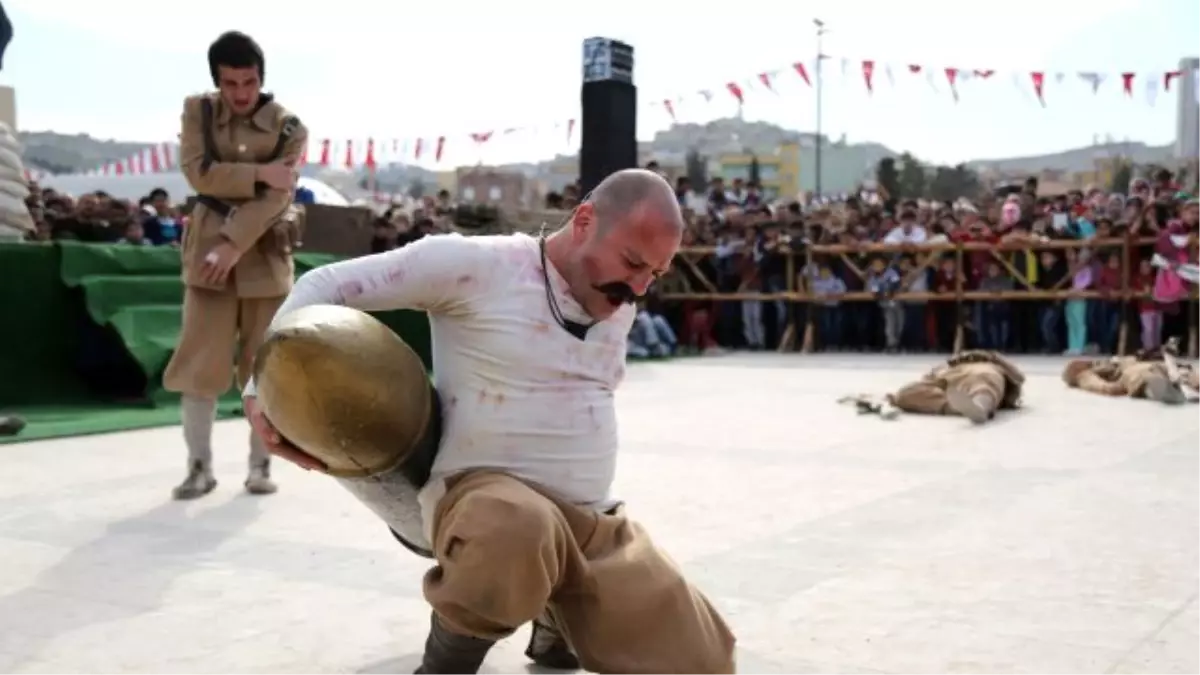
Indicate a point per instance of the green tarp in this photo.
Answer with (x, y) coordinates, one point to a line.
(59, 301)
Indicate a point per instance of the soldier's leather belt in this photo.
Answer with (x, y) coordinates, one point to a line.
(216, 205)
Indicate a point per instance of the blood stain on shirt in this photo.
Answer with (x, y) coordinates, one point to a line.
(350, 289)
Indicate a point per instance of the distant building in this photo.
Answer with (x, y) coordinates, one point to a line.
(779, 172)
(1187, 129)
(446, 180)
(502, 189)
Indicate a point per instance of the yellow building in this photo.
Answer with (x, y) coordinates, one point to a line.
(778, 172)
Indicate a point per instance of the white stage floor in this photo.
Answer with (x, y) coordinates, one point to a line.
(1062, 538)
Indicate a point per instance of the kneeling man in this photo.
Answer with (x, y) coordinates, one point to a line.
(529, 343)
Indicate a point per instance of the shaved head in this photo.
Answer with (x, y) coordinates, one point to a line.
(619, 240)
(631, 190)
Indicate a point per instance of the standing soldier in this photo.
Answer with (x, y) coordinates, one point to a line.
(238, 150)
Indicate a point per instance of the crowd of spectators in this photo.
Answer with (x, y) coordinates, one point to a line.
(749, 238)
(100, 218)
(859, 298)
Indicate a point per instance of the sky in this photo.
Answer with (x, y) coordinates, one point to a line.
(355, 69)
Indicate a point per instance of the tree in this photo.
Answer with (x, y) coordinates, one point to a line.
(887, 178)
(697, 169)
(416, 189)
(913, 181)
(1122, 176)
(952, 182)
(755, 178)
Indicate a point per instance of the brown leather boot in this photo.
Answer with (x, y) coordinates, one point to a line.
(447, 652)
(548, 649)
(11, 425)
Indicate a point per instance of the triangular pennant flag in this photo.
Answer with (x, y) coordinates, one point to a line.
(670, 107)
(891, 76)
(765, 78)
(481, 137)
(349, 154)
(325, 148)
(914, 68)
(370, 161)
(736, 89)
(952, 77)
(707, 94)
(1151, 90)
(1093, 79)
(1168, 76)
(868, 68)
(1039, 86)
(802, 72)
(1127, 79)
(441, 146)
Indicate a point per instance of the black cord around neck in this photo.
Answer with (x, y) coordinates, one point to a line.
(576, 329)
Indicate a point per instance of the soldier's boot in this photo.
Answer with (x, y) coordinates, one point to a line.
(448, 652)
(1162, 389)
(548, 649)
(258, 481)
(979, 408)
(11, 425)
(197, 417)
(198, 483)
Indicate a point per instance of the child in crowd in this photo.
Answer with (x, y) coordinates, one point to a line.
(828, 313)
(994, 315)
(134, 235)
(884, 281)
(1076, 308)
(1149, 310)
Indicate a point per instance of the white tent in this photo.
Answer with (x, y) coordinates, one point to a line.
(134, 187)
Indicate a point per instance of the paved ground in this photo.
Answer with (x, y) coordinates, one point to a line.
(1060, 539)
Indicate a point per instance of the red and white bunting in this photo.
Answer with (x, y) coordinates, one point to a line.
(372, 152)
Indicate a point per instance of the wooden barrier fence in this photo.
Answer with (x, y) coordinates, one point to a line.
(688, 280)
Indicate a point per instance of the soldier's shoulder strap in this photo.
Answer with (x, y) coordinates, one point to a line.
(287, 129)
(206, 126)
(289, 124)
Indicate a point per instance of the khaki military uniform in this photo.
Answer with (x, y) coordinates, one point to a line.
(974, 384)
(225, 323)
(1132, 377)
(219, 319)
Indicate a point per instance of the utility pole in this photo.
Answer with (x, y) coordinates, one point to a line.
(820, 25)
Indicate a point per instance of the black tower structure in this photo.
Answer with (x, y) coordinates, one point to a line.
(608, 128)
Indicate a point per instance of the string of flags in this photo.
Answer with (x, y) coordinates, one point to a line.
(374, 152)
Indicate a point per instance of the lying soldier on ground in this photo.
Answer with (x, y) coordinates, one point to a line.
(973, 384)
(1153, 374)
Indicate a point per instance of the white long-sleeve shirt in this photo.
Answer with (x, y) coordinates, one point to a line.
(518, 392)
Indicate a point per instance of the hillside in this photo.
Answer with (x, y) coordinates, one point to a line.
(59, 153)
(1079, 159)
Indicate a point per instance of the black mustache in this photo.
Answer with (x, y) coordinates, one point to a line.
(618, 293)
